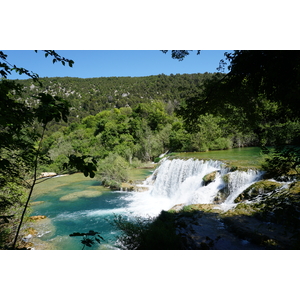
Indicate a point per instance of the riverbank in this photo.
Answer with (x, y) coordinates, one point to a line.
(248, 226)
(254, 203)
(208, 228)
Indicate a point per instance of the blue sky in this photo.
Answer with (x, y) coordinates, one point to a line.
(107, 63)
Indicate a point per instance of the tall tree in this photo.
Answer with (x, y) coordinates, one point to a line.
(19, 133)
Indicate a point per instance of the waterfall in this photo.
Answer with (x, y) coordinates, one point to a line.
(177, 175)
(239, 181)
(180, 181)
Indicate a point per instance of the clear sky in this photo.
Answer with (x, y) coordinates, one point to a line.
(107, 63)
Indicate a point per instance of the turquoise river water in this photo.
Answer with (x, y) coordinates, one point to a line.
(77, 204)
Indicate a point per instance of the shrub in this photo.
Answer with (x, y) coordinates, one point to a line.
(136, 162)
(157, 159)
(132, 230)
(283, 160)
(113, 170)
(148, 233)
(112, 184)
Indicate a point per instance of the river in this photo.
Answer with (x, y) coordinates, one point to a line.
(75, 203)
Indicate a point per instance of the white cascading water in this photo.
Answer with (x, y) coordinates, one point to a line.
(180, 181)
(238, 181)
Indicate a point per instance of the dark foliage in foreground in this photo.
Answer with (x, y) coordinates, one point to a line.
(148, 233)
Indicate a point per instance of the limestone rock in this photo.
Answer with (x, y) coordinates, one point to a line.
(210, 177)
(141, 188)
(258, 188)
(177, 207)
(37, 218)
(32, 231)
(47, 174)
(221, 195)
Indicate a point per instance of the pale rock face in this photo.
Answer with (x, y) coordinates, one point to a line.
(37, 218)
(177, 207)
(48, 174)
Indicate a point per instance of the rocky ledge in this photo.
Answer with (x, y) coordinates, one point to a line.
(47, 174)
(205, 227)
(272, 222)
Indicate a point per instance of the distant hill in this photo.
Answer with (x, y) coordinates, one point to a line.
(91, 95)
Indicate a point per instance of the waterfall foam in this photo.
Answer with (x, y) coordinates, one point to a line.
(239, 181)
(180, 181)
(176, 177)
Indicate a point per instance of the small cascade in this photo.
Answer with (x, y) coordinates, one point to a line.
(176, 178)
(238, 181)
(180, 181)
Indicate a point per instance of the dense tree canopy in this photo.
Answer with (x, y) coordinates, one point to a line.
(261, 87)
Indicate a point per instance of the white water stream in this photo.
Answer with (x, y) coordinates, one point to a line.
(181, 182)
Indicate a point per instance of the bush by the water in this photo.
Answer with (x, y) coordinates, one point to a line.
(140, 233)
(282, 161)
(113, 170)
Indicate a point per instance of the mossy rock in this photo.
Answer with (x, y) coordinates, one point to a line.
(210, 177)
(127, 186)
(200, 207)
(295, 190)
(258, 188)
(226, 178)
(176, 208)
(221, 195)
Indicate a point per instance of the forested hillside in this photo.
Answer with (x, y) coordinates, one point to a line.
(92, 95)
(138, 118)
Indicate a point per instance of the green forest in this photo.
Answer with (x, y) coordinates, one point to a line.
(106, 126)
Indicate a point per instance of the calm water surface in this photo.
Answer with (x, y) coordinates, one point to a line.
(77, 206)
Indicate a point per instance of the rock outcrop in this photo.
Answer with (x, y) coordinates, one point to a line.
(48, 174)
(258, 188)
(210, 177)
(37, 218)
